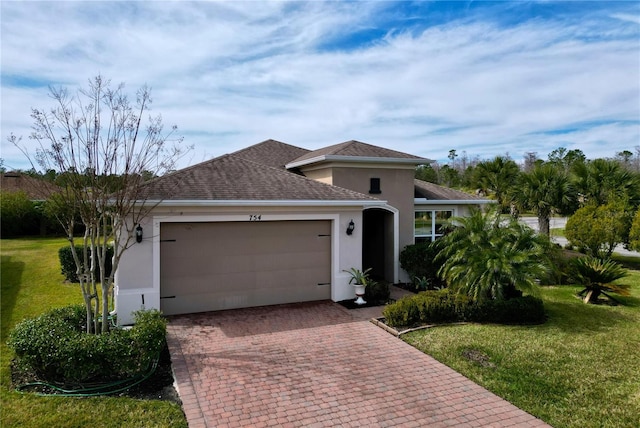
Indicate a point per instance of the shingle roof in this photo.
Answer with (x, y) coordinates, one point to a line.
(271, 153)
(232, 177)
(357, 149)
(34, 188)
(424, 189)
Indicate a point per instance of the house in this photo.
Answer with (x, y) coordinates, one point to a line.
(35, 189)
(274, 223)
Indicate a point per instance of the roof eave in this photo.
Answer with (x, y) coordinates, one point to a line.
(423, 201)
(263, 203)
(358, 159)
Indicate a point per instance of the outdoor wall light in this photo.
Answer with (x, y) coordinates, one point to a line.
(138, 234)
(350, 227)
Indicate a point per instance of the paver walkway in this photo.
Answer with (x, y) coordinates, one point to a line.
(316, 365)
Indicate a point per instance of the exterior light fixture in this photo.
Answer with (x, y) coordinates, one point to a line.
(138, 234)
(350, 227)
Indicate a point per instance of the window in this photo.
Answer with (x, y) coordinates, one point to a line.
(374, 186)
(428, 225)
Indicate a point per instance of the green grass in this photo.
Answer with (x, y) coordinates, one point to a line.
(629, 262)
(579, 369)
(559, 232)
(31, 283)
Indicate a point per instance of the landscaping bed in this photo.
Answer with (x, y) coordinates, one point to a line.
(158, 386)
(31, 288)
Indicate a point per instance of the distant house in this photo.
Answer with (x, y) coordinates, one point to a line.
(35, 188)
(275, 223)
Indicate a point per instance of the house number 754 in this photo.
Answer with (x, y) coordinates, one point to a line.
(254, 217)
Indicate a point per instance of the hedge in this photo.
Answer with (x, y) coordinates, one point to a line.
(68, 265)
(56, 348)
(420, 262)
(442, 306)
(19, 215)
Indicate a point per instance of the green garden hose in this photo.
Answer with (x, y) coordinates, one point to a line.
(102, 389)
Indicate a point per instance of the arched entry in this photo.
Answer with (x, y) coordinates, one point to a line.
(378, 243)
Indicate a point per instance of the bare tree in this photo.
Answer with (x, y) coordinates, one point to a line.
(103, 148)
(530, 160)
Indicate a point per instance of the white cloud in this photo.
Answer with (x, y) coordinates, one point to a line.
(235, 73)
(627, 17)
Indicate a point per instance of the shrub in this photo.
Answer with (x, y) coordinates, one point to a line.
(432, 307)
(419, 260)
(598, 276)
(598, 229)
(68, 265)
(427, 307)
(403, 312)
(55, 347)
(377, 292)
(18, 215)
(634, 233)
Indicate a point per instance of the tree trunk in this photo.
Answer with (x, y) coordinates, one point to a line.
(514, 211)
(105, 307)
(592, 296)
(543, 224)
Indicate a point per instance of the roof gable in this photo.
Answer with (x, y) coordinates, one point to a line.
(272, 153)
(356, 151)
(232, 177)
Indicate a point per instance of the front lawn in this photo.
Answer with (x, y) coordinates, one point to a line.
(31, 284)
(579, 369)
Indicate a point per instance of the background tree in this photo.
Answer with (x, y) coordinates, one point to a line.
(601, 180)
(625, 159)
(599, 228)
(452, 158)
(427, 173)
(449, 176)
(100, 144)
(497, 177)
(544, 190)
(530, 161)
(566, 158)
(634, 232)
(488, 259)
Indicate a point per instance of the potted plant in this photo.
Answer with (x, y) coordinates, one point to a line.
(359, 279)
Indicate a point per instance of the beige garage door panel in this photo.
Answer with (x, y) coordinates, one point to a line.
(215, 266)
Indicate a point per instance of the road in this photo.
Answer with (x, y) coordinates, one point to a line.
(560, 223)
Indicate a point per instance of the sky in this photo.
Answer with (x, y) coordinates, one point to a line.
(424, 77)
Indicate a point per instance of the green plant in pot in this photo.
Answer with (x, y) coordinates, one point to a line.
(359, 279)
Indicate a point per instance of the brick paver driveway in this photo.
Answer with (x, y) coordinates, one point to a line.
(315, 365)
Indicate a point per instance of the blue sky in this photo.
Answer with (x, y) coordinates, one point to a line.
(425, 77)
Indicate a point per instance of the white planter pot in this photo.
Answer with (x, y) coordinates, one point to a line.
(359, 293)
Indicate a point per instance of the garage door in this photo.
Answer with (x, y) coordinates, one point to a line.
(226, 265)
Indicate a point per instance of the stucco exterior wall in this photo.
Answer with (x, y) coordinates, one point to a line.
(396, 186)
(323, 175)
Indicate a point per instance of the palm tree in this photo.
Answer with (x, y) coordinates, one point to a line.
(545, 189)
(488, 259)
(497, 177)
(601, 180)
(597, 276)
